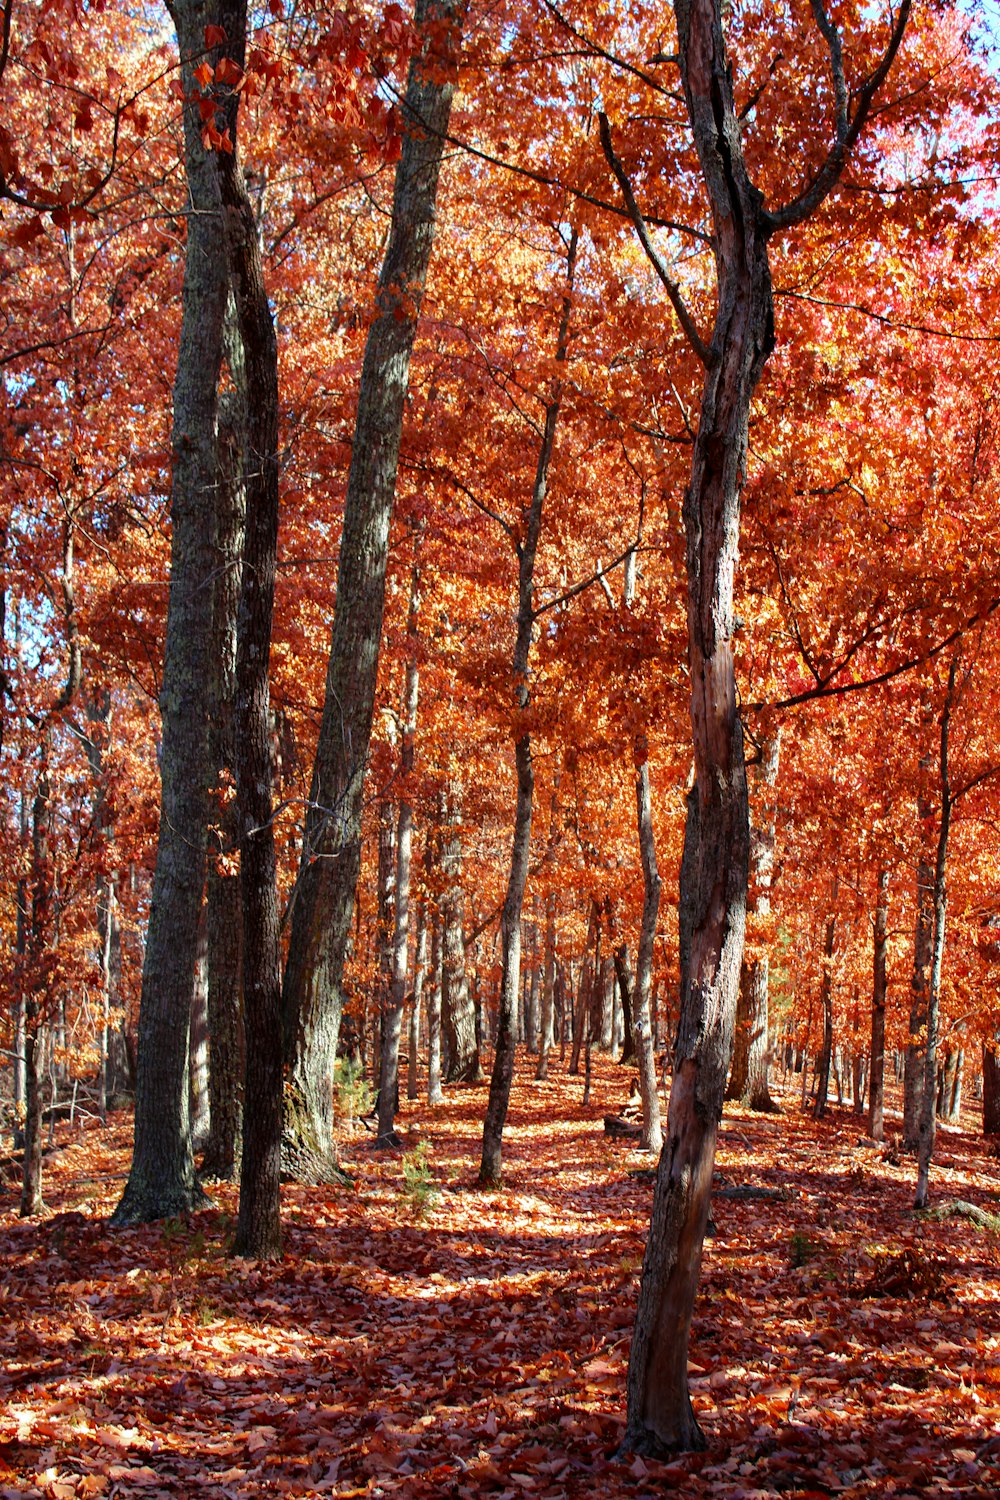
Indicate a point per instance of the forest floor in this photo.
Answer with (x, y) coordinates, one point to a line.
(435, 1339)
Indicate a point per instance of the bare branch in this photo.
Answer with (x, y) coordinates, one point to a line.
(652, 254)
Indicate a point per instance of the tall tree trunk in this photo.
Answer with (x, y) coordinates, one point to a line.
(876, 1085)
(748, 1081)
(526, 547)
(331, 850)
(392, 1019)
(927, 1123)
(162, 1178)
(224, 912)
(258, 1229)
(714, 867)
(581, 1011)
(35, 1029)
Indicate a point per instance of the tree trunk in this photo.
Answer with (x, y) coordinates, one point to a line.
(547, 1034)
(162, 1180)
(927, 1122)
(331, 850)
(392, 1017)
(581, 1012)
(876, 1084)
(914, 1069)
(434, 1093)
(526, 548)
(419, 974)
(224, 913)
(652, 1130)
(748, 1081)
(198, 1044)
(826, 1004)
(991, 1090)
(258, 1229)
(458, 1010)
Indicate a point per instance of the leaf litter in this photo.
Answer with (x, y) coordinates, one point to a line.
(475, 1343)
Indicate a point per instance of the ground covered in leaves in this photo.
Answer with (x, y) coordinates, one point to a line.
(422, 1337)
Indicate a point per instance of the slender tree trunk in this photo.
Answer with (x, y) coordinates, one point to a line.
(35, 1029)
(434, 1093)
(162, 1179)
(331, 852)
(826, 1005)
(876, 1085)
(419, 974)
(652, 1130)
(914, 1069)
(198, 1044)
(748, 1081)
(546, 1036)
(258, 1230)
(392, 1019)
(510, 922)
(581, 1012)
(927, 1122)
(224, 911)
(458, 1010)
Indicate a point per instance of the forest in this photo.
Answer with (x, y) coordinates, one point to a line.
(499, 903)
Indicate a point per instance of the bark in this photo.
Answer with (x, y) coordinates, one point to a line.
(198, 1043)
(748, 1081)
(258, 1229)
(652, 1130)
(581, 1012)
(392, 1016)
(223, 914)
(331, 852)
(991, 1090)
(926, 1127)
(35, 992)
(716, 842)
(876, 1070)
(526, 547)
(714, 867)
(949, 1098)
(162, 1178)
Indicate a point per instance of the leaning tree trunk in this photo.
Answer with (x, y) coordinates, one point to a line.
(876, 1081)
(392, 1015)
(529, 532)
(331, 848)
(748, 1082)
(162, 1178)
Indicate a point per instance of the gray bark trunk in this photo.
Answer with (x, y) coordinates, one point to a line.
(652, 1129)
(547, 1033)
(826, 1007)
(331, 853)
(923, 944)
(419, 974)
(459, 1038)
(162, 1180)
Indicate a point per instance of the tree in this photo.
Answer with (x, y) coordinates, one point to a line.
(328, 870)
(716, 849)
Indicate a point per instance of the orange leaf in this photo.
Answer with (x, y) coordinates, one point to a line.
(215, 36)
